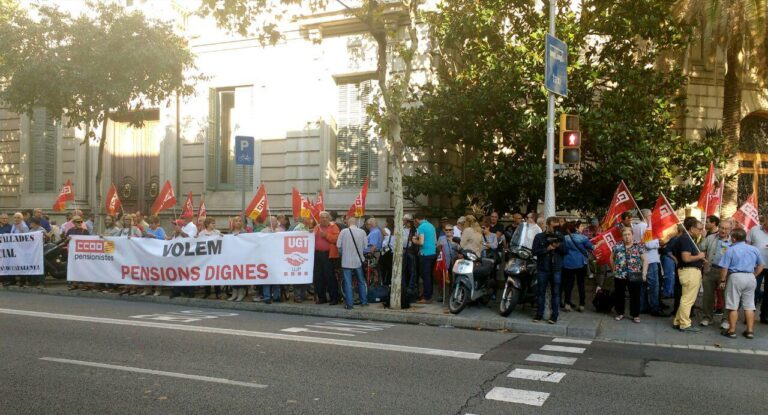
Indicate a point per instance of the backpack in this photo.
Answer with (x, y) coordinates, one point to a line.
(603, 301)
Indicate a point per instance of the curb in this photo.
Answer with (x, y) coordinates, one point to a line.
(582, 327)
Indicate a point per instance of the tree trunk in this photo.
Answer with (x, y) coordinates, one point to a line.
(100, 168)
(732, 120)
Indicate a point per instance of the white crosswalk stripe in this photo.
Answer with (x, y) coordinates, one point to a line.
(563, 349)
(537, 375)
(544, 358)
(571, 341)
(517, 396)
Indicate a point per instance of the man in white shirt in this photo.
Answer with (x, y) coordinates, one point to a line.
(532, 230)
(758, 237)
(189, 230)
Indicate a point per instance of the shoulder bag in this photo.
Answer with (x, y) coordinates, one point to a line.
(632, 276)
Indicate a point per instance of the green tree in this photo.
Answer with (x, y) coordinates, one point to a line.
(738, 29)
(260, 18)
(485, 118)
(85, 69)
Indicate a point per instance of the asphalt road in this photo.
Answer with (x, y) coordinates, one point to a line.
(73, 355)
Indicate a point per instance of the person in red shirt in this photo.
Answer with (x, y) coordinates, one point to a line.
(326, 234)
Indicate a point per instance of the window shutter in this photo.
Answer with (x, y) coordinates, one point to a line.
(243, 118)
(43, 145)
(357, 148)
(211, 139)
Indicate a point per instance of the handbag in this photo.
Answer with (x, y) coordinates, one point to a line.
(632, 276)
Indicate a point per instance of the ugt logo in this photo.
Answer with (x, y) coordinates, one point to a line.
(622, 197)
(296, 244)
(664, 211)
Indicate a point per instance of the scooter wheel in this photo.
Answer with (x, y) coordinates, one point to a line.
(459, 299)
(509, 301)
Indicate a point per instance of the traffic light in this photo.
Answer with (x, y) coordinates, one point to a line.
(570, 139)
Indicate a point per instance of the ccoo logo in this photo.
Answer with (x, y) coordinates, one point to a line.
(94, 246)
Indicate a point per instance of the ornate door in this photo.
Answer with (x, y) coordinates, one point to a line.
(136, 165)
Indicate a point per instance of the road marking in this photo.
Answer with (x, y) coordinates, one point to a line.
(543, 358)
(255, 334)
(340, 328)
(185, 316)
(564, 349)
(303, 330)
(154, 372)
(517, 396)
(538, 375)
(572, 341)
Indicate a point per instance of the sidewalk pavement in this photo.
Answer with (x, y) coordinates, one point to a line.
(651, 331)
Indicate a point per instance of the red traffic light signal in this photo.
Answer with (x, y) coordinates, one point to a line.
(571, 139)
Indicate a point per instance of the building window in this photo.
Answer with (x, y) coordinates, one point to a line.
(43, 134)
(230, 111)
(357, 147)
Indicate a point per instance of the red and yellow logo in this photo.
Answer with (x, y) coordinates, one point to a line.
(93, 246)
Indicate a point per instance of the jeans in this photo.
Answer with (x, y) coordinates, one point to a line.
(621, 285)
(764, 305)
(324, 278)
(271, 292)
(386, 268)
(427, 262)
(553, 279)
(569, 277)
(649, 291)
(668, 265)
(759, 292)
(362, 289)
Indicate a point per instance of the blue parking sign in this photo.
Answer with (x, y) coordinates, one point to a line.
(556, 66)
(244, 150)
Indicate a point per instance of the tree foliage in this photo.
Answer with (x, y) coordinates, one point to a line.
(485, 119)
(106, 62)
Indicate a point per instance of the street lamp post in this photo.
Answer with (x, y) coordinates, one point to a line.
(549, 188)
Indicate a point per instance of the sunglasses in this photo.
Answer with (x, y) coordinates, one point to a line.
(448, 230)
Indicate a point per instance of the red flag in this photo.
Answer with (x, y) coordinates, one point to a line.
(202, 213)
(165, 200)
(747, 214)
(66, 194)
(716, 198)
(358, 207)
(258, 206)
(113, 201)
(320, 204)
(307, 208)
(664, 221)
(189, 208)
(604, 243)
(707, 189)
(622, 201)
(297, 202)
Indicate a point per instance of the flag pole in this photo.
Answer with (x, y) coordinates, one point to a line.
(639, 212)
(678, 222)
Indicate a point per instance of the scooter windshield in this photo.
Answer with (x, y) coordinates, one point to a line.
(518, 238)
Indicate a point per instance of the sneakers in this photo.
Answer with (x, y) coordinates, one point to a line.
(725, 325)
(580, 309)
(690, 329)
(719, 312)
(567, 307)
(705, 322)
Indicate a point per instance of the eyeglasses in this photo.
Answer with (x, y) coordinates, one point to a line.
(448, 230)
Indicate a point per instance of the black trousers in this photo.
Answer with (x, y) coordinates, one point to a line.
(324, 278)
(386, 268)
(571, 276)
(620, 286)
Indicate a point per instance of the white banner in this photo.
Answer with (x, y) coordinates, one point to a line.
(21, 254)
(245, 259)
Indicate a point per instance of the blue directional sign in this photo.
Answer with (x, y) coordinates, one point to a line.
(244, 150)
(556, 65)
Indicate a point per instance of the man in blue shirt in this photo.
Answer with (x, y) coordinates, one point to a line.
(374, 236)
(426, 238)
(5, 227)
(740, 265)
(38, 213)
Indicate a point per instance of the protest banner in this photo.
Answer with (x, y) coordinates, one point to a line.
(245, 259)
(21, 254)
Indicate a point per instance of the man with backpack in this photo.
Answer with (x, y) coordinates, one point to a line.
(351, 243)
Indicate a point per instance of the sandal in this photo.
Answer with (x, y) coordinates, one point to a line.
(620, 317)
(729, 334)
(747, 334)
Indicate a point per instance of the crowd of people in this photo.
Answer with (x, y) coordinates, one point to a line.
(718, 259)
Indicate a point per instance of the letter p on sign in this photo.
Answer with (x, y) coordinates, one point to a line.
(244, 150)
